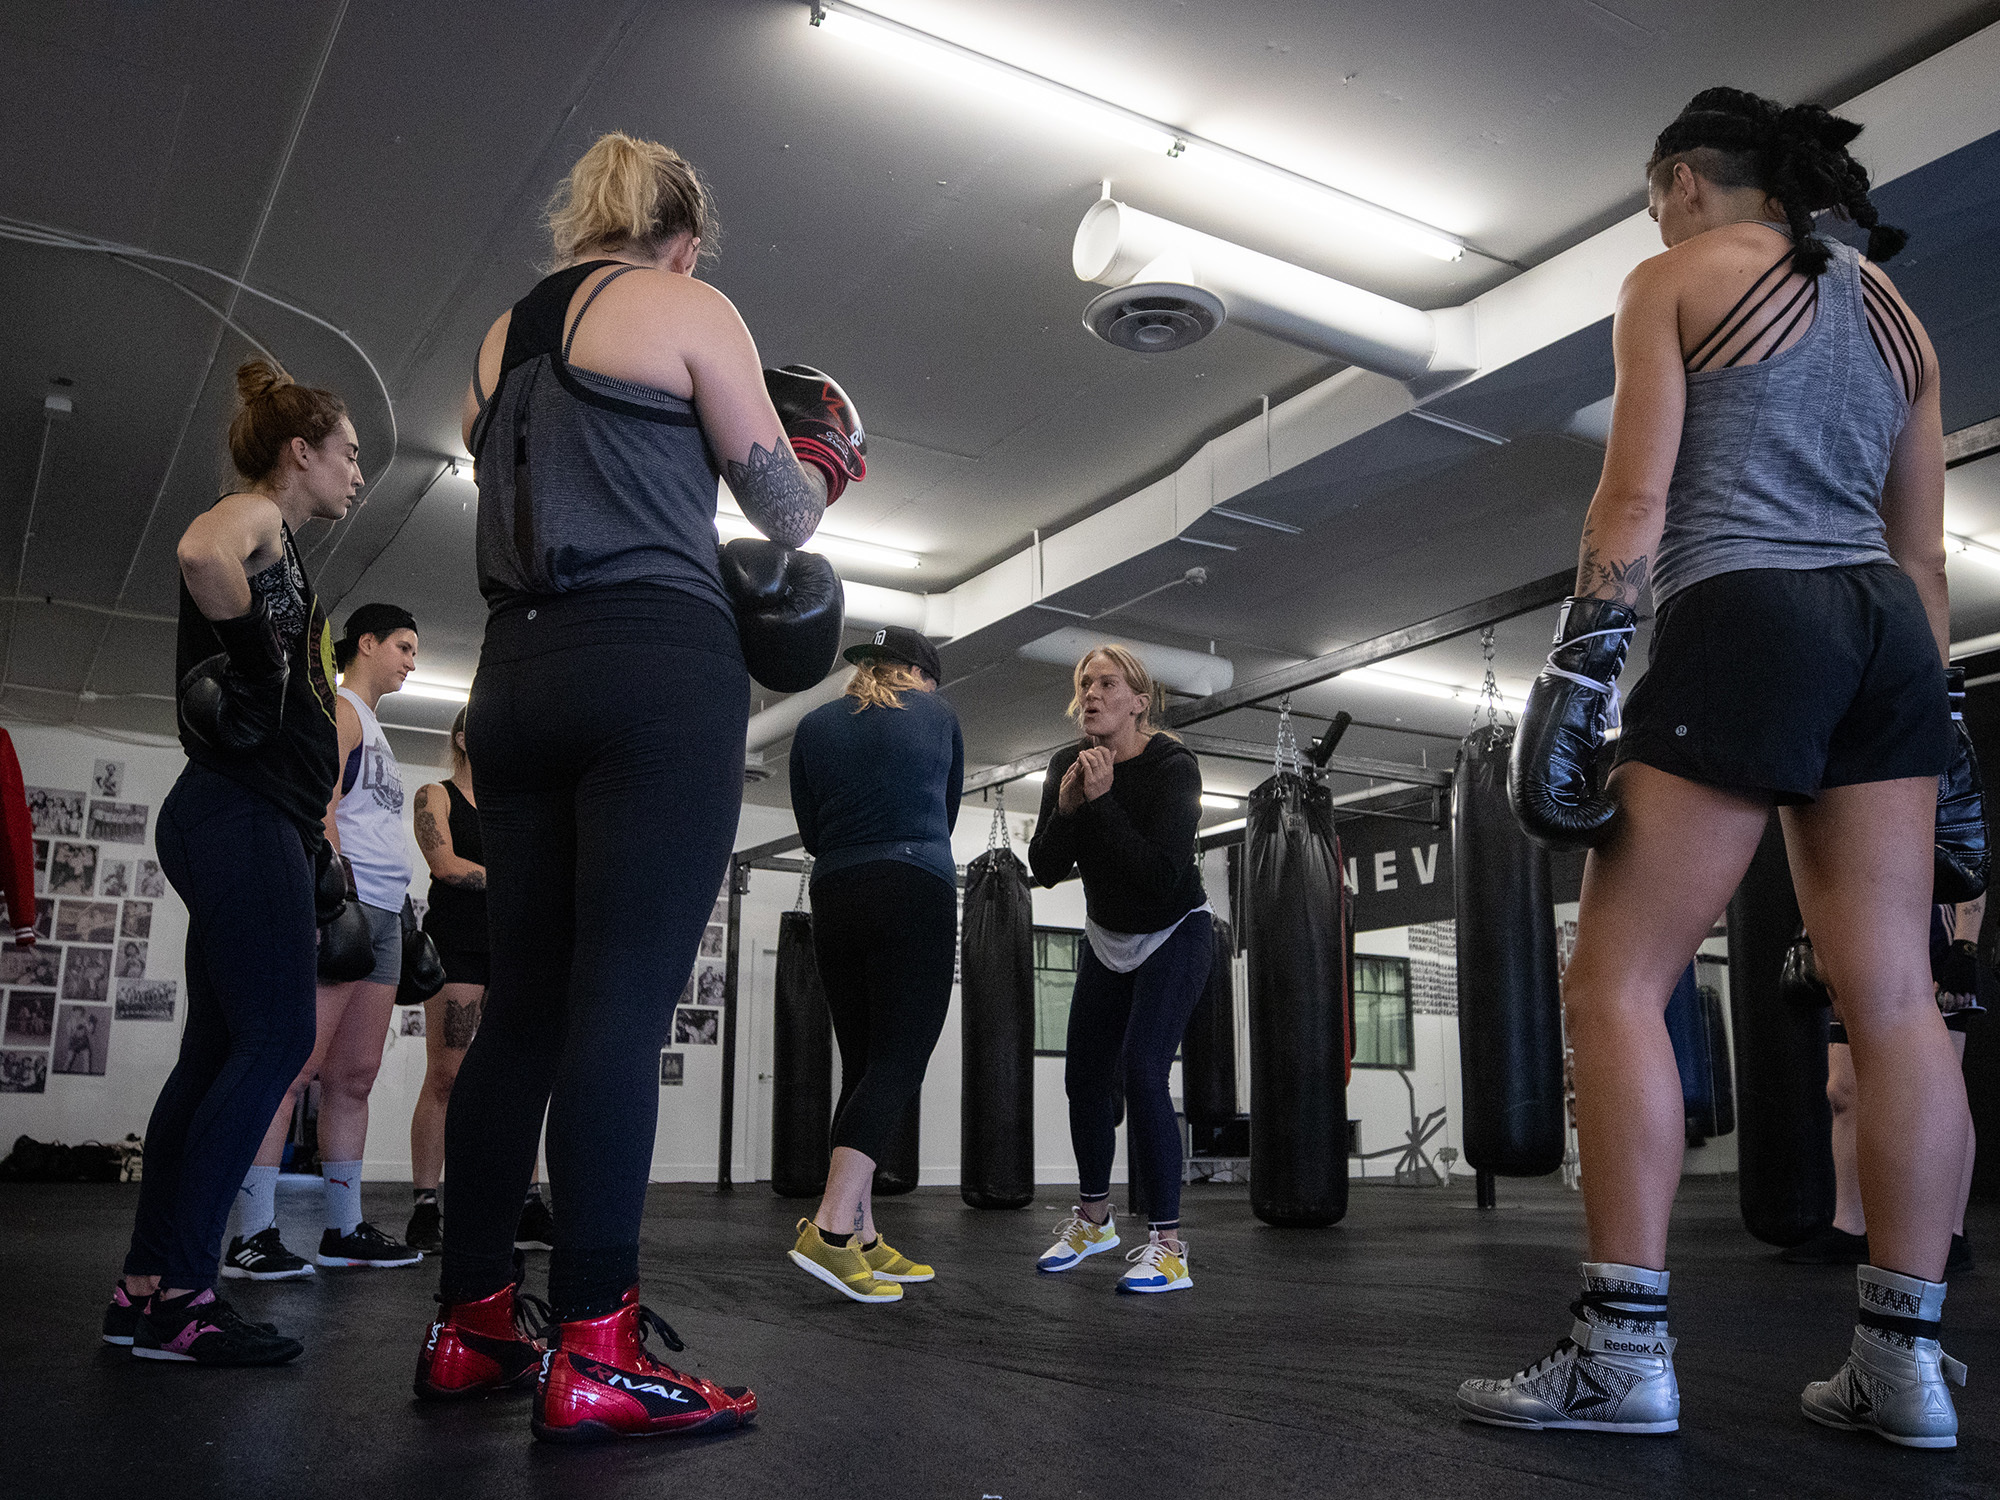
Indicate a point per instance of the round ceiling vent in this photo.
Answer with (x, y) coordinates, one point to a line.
(1154, 317)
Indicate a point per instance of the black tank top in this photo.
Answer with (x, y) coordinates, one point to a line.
(457, 916)
(586, 482)
(297, 770)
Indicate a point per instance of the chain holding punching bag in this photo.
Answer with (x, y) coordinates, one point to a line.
(1510, 1052)
(1292, 919)
(898, 1170)
(1784, 1142)
(1208, 1049)
(996, 1153)
(801, 1064)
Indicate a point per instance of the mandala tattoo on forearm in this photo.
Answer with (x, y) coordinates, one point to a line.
(776, 494)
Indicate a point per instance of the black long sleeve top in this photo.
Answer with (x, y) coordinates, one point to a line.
(1134, 846)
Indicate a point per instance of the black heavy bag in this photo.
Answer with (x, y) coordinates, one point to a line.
(1694, 1021)
(801, 1066)
(1292, 915)
(1208, 1049)
(1720, 1068)
(898, 1170)
(1510, 1050)
(1784, 1144)
(996, 1151)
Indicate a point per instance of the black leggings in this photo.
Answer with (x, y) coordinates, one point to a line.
(608, 733)
(884, 934)
(242, 869)
(1131, 1024)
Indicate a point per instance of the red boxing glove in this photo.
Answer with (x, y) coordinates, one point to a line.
(822, 424)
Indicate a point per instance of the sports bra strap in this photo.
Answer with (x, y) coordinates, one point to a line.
(570, 337)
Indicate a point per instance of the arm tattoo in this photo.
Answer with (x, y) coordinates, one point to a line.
(1621, 580)
(777, 494)
(473, 879)
(428, 838)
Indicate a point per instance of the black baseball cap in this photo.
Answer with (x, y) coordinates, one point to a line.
(898, 644)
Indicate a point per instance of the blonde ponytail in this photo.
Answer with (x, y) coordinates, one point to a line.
(625, 194)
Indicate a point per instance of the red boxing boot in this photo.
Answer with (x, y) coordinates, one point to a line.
(599, 1382)
(476, 1348)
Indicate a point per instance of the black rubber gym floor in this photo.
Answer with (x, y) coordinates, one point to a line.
(1315, 1363)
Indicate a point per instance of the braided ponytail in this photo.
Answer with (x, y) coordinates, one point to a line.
(1797, 156)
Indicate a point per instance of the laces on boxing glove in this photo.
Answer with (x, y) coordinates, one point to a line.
(1573, 703)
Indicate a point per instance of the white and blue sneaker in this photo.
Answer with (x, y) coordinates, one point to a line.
(1077, 1239)
(1158, 1266)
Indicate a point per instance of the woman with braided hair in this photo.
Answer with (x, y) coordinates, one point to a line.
(1775, 476)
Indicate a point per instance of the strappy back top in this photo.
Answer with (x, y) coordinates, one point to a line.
(1794, 405)
(586, 482)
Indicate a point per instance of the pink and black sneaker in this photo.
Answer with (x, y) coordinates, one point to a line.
(121, 1317)
(202, 1329)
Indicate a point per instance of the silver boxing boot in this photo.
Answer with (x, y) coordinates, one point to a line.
(1893, 1383)
(1614, 1373)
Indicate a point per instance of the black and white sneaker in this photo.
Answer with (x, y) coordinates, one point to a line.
(425, 1231)
(537, 1229)
(263, 1257)
(365, 1245)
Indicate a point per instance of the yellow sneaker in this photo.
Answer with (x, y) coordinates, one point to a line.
(1158, 1266)
(1077, 1239)
(890, 1264)
(840, 1267)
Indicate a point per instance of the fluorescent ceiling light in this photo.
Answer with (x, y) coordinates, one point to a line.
(1427, 687)
(1216, 799)
(731, 524)
(415, 686)
(1977, 552)
(1045, 97)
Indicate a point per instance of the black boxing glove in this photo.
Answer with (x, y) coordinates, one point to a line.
(333, 882)
(824, 428)
(790, 609)
(1956, 970)
(1798, 981)
(346, 946)
(1573, 701)
(1963, 859)
(234, 701)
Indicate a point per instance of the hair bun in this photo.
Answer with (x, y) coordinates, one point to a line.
(1810, 122)
(256, 378)
(1885, 241)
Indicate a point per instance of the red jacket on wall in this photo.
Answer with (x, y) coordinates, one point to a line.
(17, 845)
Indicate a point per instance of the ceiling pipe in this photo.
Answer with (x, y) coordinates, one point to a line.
(779, 720)
(1173, 286)
(1182, 671)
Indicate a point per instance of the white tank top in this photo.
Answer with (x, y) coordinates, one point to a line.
(369, 815)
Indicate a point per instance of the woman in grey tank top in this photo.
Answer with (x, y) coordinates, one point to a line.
(1774, 477)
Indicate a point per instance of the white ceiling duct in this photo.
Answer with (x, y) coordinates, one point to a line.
(1173, 285)
(779, 720)
(871, 604)
(1191, 672)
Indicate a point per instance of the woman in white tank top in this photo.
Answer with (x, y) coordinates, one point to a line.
(365, 824)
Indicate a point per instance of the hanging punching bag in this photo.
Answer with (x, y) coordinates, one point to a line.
(1208, 1049)
(1292, 918)
(898, 1170)
(1510, 1051)
(801, 1066)
(1784, 1143)
(996, 1152)
(1694, 1059)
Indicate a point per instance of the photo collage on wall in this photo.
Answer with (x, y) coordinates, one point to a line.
(95, 885)
(698, 1012)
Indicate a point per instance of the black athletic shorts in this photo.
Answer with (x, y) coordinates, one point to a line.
(1788, 682)
(463, 965)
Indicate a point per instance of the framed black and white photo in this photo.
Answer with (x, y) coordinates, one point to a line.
(41, 865)
(31, 1018)
(697, 1026)
(34, 967)
(45, 920)
(413, 1021)
(83, 1039)
(56, 811)
(146, 999)
(673, 1069)
(708, 984)
(131, 960)
(151, 881)
(118, 822)
(86, 921)
(137, 921)
(107, 779)
(87, 974)
(712, 940)
(72, 869)
(24, 1072)
(114, 877)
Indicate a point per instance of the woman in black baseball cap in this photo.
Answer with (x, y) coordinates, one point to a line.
(875, 784)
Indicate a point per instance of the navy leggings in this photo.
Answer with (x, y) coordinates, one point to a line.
(243, 871)
(1130, 1026)
(607, 729)
(885, 935)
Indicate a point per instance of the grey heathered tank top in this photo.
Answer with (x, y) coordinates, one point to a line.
(587, 482)
(1781, 463)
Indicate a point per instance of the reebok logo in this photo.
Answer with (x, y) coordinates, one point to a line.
(1619, 1346)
